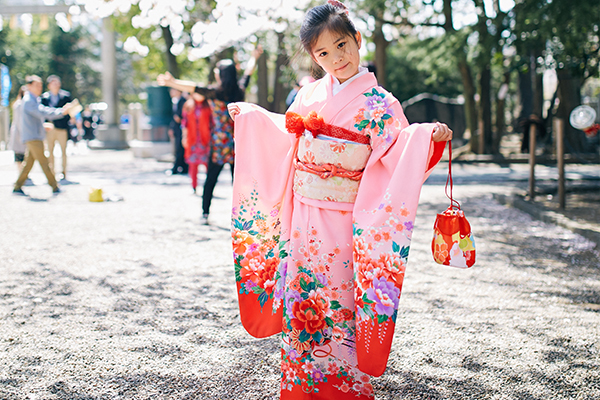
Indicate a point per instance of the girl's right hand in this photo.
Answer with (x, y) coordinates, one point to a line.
(233, 109)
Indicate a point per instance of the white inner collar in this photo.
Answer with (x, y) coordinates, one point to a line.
(338, 87)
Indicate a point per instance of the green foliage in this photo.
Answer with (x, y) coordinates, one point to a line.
(569, 34)
(417, 66)
(44, 52)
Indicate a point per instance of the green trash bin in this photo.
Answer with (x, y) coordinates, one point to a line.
(160, 111)
(160, 107)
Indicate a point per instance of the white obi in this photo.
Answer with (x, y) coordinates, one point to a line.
(329, 170)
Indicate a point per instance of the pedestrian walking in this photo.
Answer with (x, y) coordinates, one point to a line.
(33, 132)
(58, 129)
(178, 100)
(14, 142)
(197, 123)
(228, 89)
(323, 213)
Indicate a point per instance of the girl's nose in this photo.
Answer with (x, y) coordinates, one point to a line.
(339, 55)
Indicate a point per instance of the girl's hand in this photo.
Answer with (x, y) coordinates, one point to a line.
(441, 133)
(234, 110)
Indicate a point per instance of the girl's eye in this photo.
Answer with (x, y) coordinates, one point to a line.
(341, 44)
(323, 54)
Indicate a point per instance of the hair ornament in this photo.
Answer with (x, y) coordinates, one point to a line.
(338, 4)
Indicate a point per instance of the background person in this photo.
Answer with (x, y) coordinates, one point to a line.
(197, 123)
(228, 89)
(58, 129)
(33, 132)
(14, 142)
(179, 165)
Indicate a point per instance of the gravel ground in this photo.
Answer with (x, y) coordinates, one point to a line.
(135, 299)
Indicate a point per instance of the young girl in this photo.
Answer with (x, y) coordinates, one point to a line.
(196, 123)
(324, 206)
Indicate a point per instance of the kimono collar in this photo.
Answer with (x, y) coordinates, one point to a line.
(359, 85)
(337, 87)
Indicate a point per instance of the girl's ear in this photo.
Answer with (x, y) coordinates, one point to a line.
(358, 38)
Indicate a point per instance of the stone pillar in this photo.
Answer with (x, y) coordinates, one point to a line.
(109, 135)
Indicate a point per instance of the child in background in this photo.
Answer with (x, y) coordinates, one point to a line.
(197, 123)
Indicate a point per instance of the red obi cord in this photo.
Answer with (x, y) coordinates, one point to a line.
(297, 124)
(328, 170)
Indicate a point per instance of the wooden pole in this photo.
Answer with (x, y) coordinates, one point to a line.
(560, 157)
(532, 134)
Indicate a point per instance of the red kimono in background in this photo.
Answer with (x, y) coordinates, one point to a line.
(197, 121)
(320, 258)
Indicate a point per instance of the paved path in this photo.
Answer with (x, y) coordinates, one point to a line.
(134, 299)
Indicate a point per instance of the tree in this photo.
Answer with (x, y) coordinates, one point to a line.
(567, 39)
(69, 55)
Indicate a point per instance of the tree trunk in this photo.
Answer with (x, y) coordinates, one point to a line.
(470, 105)
(279, 95)
(525, 96)
(485, 110)
(569, 94)
(467, 79)
(501, 113)
(172, 65)
(262, 73)
(381, 45)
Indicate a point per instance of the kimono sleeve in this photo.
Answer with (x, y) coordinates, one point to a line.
(383, 217)
(261, 207)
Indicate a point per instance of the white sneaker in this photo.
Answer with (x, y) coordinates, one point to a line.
(204, 219)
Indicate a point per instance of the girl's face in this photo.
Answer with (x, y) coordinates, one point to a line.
(338, 55)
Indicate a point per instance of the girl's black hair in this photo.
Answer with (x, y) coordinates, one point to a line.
(230, 90)
(321, 18)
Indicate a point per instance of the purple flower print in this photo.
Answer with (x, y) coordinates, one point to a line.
(385, 295)
(290, 298)
(292, 354)
(322, 278)
(317, 375)
(375, 102)
(409, 225)
(249, 284)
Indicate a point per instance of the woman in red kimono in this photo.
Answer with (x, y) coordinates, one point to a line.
(324, 205)
(197, 124)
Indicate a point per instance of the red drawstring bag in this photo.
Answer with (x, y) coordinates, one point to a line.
(452, 244)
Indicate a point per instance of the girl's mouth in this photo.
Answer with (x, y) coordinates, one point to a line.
(342, 67)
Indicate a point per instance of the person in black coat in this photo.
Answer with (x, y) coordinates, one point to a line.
(58, 129)
(179, 166)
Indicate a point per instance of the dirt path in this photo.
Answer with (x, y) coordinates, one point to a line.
(136, 300)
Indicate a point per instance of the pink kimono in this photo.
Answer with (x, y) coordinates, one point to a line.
(321, 232)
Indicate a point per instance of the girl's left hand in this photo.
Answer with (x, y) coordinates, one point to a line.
(441, 133)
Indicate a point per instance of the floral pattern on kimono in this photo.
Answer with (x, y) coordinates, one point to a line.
(335, 292)
(258, 256)
(222, 134)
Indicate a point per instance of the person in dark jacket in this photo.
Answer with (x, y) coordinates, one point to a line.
(179, 166)
(58, 129)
